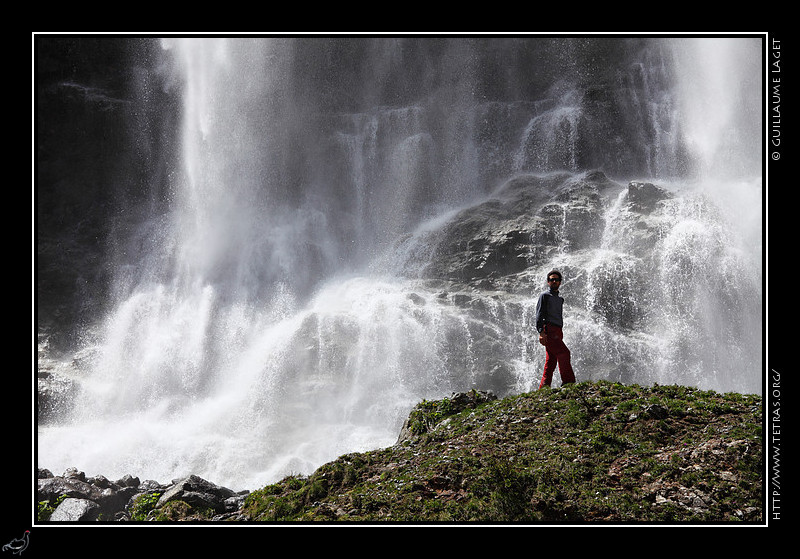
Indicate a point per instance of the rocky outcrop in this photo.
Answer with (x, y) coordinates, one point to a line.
(528, 222)
(589, 452)
(492, 258)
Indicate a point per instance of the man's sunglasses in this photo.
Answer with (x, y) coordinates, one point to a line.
(553, 279)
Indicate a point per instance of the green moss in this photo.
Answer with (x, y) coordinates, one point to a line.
(427, 414)
(45, 508)
(181, 511)
(143, 504)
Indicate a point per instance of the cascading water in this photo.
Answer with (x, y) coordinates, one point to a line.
(279, 316)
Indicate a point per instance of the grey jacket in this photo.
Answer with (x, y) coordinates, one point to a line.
(549, 310)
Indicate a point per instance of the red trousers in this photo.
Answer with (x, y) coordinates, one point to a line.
(557, 354)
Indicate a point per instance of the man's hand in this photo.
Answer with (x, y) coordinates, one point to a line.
(543, 338)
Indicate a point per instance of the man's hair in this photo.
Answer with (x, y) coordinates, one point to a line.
(554, 272)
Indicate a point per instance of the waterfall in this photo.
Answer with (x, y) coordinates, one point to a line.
(272, 314)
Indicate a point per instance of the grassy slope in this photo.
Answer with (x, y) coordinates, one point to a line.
(589, 452)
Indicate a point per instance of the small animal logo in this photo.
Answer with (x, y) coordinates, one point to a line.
(18, 545)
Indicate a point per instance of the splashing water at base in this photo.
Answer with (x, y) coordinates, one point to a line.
(337, 376)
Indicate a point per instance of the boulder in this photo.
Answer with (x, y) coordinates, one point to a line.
(198, 493)
(75, 510)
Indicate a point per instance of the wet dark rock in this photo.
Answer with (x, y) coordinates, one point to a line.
(644, 196)
(524, 223)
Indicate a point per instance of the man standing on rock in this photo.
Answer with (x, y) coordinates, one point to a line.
(549, 323)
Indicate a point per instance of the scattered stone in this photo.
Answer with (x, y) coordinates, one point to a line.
(98, 498)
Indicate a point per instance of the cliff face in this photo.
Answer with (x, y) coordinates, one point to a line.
(589, 452)
(95, 163)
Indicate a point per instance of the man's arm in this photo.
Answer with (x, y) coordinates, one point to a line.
(541, 320)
